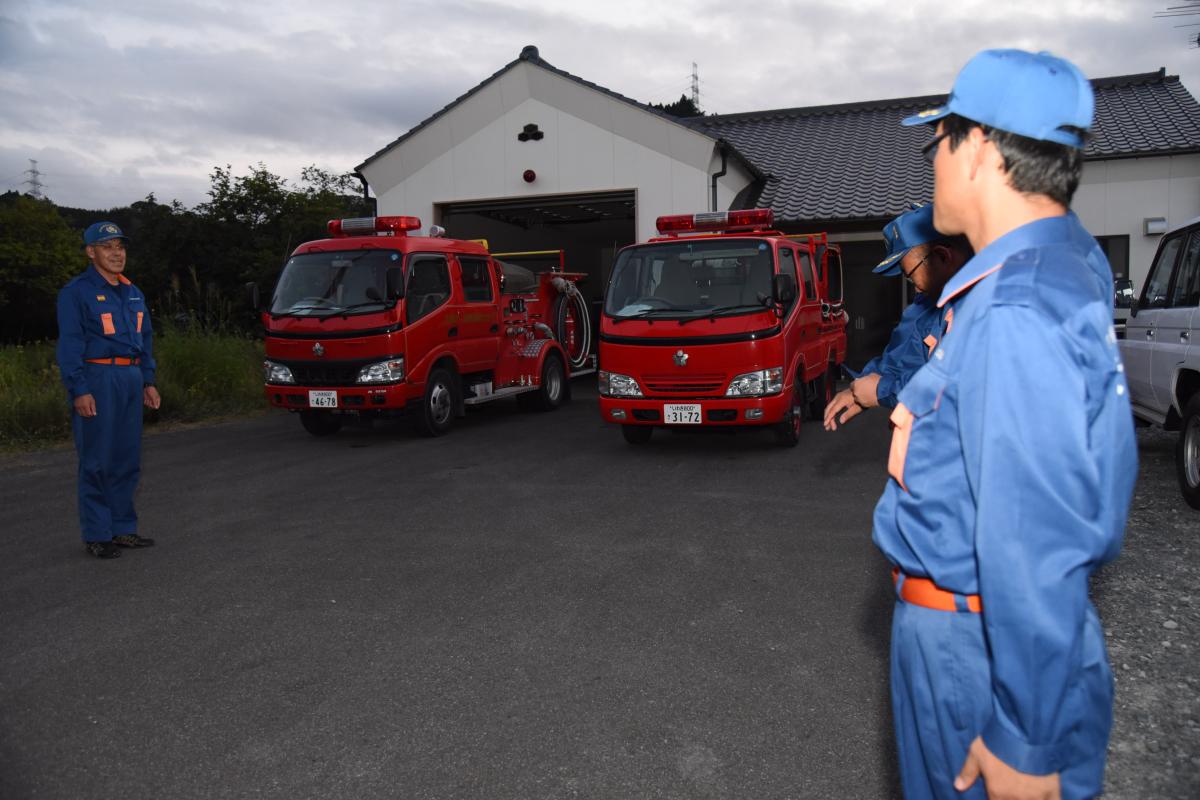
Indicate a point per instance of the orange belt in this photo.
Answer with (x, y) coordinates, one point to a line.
(926, 593)
(116, 361)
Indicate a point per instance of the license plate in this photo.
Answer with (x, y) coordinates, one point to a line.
(322, 399)
(681, 413)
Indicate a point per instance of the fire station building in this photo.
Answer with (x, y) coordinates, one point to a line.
(536, 158)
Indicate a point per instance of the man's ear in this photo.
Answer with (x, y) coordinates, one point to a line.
(976, 141)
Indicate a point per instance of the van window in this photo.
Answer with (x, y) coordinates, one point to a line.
(1186, 291)
(1154, 293)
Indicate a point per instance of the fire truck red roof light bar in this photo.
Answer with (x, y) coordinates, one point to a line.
(368, 226)
(748, 219)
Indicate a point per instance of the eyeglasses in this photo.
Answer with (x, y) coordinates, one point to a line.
(930, 150)
(916, 266)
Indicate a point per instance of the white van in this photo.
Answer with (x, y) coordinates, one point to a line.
(1161, 350)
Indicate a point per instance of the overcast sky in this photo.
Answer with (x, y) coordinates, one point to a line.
(120, 98)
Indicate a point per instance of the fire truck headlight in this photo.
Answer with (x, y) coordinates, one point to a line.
(614, 384)
(390, 371)
(756, 384)
(277, 373)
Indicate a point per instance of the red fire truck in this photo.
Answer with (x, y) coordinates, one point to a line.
(376, 322)
(721, 321)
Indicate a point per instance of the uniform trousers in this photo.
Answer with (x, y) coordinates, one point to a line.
(110, 452)
(941, 686)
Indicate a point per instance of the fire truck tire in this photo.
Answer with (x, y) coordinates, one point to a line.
(320, 423)
(637, 434)
(822, 394)
(438, 406)
(1187, 452)
(553, 391)
(787, 431)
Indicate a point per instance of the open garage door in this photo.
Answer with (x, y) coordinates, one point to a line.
(589, 227)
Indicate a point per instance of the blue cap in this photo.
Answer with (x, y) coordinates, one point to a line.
(1029, 94)
(99, 232)
(905, 232)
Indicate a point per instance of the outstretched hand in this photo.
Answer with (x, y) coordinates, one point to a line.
(841, 409)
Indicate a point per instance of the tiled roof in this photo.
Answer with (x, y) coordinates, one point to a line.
(855, 160)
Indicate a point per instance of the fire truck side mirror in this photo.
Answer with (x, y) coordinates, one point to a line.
(252, 296)
(784, 289)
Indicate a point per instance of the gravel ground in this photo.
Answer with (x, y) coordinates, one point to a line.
(1149, 599)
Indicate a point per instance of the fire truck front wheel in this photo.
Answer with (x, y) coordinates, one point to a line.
(320, 423)
(787, 431)
(437, 408)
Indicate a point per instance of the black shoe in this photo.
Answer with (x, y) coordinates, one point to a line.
(102, 549)
(132, 540)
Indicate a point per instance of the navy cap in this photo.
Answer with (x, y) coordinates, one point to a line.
(912, 228)
(1037, 95)
(99, 232)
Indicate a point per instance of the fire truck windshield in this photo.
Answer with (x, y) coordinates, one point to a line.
(327, 283)
(691, 277)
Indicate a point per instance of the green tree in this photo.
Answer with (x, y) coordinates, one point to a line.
(39, 253)
(683, 107)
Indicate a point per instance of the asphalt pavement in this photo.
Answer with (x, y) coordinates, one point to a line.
(528, 607)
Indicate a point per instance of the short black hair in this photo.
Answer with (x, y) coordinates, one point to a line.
(1033, 166)
(958, 242)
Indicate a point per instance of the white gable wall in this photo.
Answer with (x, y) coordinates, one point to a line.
(1114, 197)
(592, 142)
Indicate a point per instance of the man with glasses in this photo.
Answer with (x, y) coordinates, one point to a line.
(106, 362)
(927, 259)
(1012, 459)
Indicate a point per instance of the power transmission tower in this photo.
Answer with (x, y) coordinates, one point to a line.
(695, 86)
(34, 181)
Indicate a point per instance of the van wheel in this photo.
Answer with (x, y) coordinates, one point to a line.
(637, 434)
(437, 407)
(1187, 452)
(553, 391)
(320, 423)
(787, 432)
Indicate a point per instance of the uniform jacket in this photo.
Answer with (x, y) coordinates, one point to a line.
(907, 350)
(1012, 467)
(99, 320)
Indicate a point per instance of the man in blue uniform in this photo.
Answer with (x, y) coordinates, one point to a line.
(107, 364)
(1013, 457)
(927, 259)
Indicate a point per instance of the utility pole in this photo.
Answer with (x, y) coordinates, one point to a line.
(34, 181)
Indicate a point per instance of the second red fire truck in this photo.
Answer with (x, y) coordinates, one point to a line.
(721, 321)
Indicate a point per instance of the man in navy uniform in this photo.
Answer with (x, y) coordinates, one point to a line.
(1013, 457)
(107, 364)
(927, 259)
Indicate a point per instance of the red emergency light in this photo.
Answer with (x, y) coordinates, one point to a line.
(368, 226)
(748, 219)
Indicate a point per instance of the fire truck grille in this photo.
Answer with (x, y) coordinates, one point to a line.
(690, 385)
(326, 373)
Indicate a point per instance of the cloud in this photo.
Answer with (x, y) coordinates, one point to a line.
(119, 98)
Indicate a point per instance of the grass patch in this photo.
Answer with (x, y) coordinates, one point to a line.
(200, 376)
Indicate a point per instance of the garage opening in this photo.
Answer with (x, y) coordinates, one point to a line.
(589, 227)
